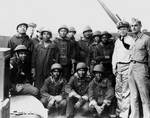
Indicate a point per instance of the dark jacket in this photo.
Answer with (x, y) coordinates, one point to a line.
(42, 59)
(105, 54)
(65, 50)
(80, 86)
(53, 88)
(84, 51)
(20, 40)
(94, 51)
(20, 72)
(100, 91)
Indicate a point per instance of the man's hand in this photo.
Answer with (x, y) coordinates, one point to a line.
(58, 98)
(85, 97)
(114, 72)
(33, 72)
(99, 109)
(107, 102)
(73, 93)
(77, 105)
(51, 102)
(92, 103)
(19, 87)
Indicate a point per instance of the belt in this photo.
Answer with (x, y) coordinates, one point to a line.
(123, 62)
(133, 61)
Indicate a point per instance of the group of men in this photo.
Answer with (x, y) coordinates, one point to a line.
(97, 74)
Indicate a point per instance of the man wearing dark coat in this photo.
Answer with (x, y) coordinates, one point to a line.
(52, 92)
(20, 74)
(44, 56)
(84, 44)
(66, 52)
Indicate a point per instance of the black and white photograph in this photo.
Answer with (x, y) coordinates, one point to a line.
(74, 59)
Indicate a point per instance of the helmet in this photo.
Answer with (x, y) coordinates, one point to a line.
(136, 20)
(87, 28)
(98, 68)
(46, 30)
(56, 66)
(32, 25)
(123, 24)
(106, 33)
(63, 27)
(72, 29)
(81, 65)
(97, 33)
(20, 48)
(39, 29)
(25, 24)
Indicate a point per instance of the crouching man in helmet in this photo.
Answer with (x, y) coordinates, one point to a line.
(100, 93)
(52, 92)
(20, 73)
(77, 89)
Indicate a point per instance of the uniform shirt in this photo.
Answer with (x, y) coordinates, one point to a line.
(80, 86)
(52, 87)
(100, 91)
(141, 48)
(121, 54)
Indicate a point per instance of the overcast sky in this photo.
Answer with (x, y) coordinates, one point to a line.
(77, 13)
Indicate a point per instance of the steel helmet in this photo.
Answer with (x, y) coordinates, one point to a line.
(136, 20)
(20, 48)
(39, 29)
(32, 25)
(87, 28)
(46, 30)
(72, 29)
(97, 33)
(63, 27)
(81, 65)
(123, 24)
(106, 33)
(56, 66)
(98, 68)
(25, 24)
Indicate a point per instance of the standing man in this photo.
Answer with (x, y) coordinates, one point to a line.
(44, 55)
(21, 38)
(106, 48)
(84, 44)
(139, 72)
(94, 51)
(71, 36)
(65, 50)
(120, 65)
